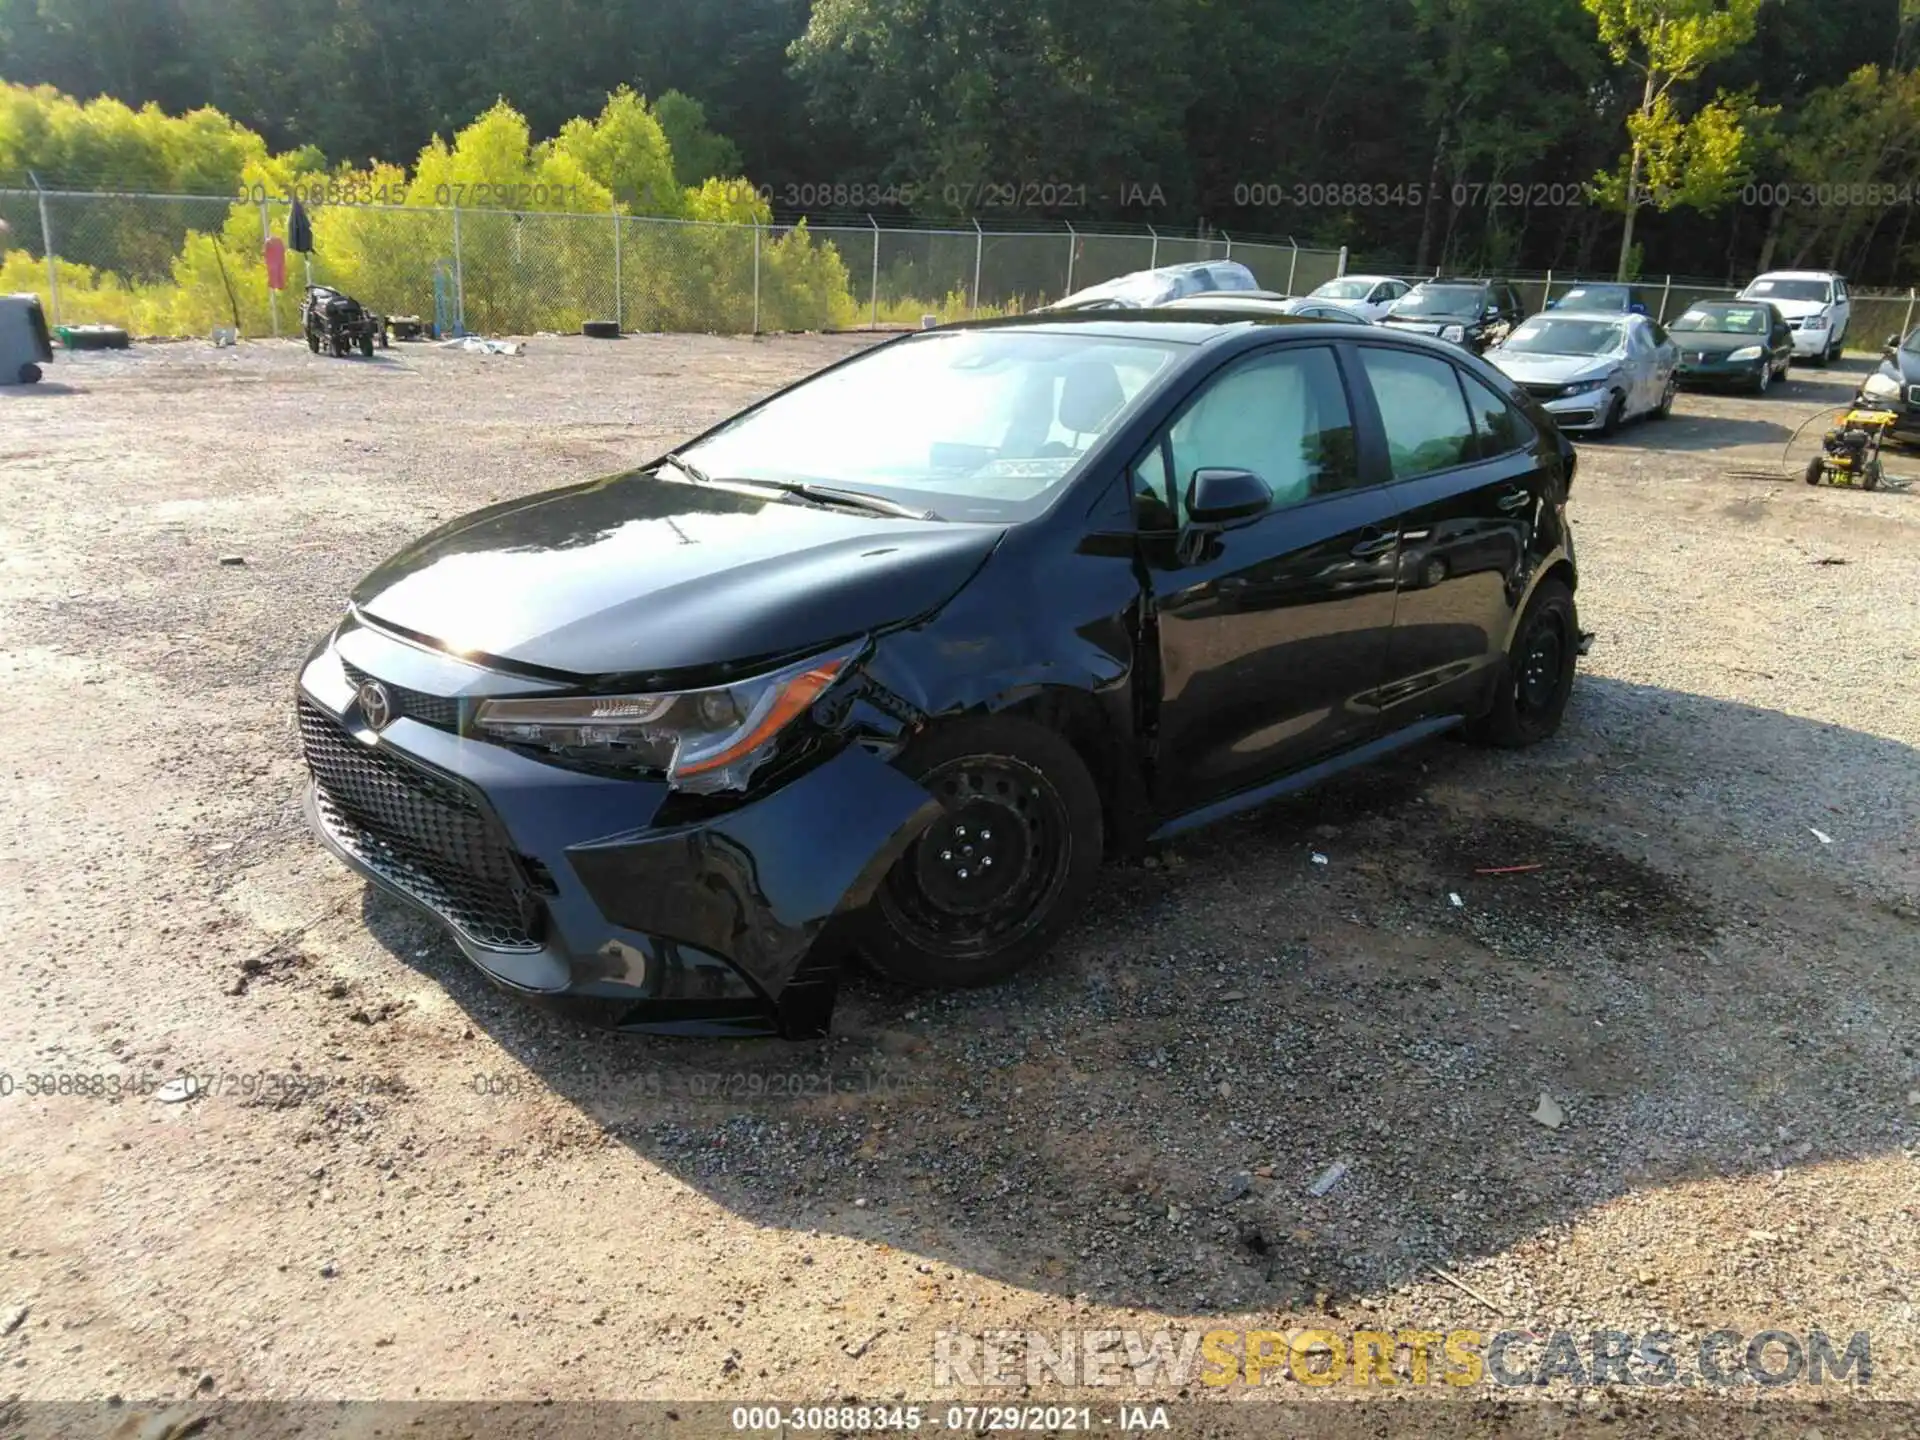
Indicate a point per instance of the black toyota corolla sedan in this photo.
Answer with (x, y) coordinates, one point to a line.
(886, 664)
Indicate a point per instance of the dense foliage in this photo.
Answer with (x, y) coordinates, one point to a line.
(1577, 134)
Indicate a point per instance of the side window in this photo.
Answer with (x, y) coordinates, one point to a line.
(1282, 415)
(1498, 428)
(1425, 419)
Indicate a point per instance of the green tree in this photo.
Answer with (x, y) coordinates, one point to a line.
(698, 154)
(1671, 158)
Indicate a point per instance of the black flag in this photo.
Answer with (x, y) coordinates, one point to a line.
(299, 230)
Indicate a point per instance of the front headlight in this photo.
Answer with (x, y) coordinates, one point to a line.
(704, 740)
(1745, 352)
(1881, 386)
(1583, 387)
(1815, 322)
(1455, 333)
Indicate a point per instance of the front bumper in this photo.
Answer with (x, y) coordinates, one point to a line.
(1810, 343)
(1584, 411)
(588, 891)
(1715, 370)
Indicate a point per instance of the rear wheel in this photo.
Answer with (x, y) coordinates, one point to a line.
(313, 340)
(29, 374)
(1665, 407)
(1816, 469)
(1870, 475)
(1538, 678)
(1007, 864)
(366, 346)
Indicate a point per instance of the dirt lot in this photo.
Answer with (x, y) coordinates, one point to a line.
(405, 1184)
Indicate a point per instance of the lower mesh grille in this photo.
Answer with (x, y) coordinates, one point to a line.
(424, 835)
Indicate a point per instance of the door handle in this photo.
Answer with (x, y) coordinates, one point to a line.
(1376, 543)
(1514, 500)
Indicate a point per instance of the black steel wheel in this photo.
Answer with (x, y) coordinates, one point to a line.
(1537, 681)
(366, 345)
(29, 374)
(1816, 469)
(1008, 861)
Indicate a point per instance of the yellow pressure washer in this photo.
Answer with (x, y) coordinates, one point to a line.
(1850, 451)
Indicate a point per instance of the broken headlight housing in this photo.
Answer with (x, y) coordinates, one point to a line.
(702, 740)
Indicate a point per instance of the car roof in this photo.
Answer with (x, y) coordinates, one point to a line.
(1370, 279)
(1798, 275)
(1612, 317)
(1458, 280)
(1184, 326)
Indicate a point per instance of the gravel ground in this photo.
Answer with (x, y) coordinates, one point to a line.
(405, 1184)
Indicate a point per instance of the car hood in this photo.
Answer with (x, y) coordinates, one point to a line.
(1792, 309)
(640, 574)
(1714, 342)
(1553, 369)
(1428, 325)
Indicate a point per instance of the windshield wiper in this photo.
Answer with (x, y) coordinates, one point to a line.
(685, 467)
(857, 499)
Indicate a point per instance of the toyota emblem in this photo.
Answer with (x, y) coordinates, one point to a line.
(375, 704)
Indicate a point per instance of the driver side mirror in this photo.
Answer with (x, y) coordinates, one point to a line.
(1219, 496)
(1893, 342)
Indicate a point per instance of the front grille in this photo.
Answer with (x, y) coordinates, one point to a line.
(1544, 392)
(441, 711)
(425, 835)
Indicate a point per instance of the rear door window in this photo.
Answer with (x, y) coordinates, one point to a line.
(1421, 410)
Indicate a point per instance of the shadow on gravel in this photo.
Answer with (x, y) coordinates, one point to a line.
(1388, 972)
(1686, 433)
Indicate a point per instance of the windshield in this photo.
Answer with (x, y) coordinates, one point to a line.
(1819, 292)
(1441, 300)
(1542, 336)
(1724, 320)
(1345, 290)
(1597, 297)
(976, 424)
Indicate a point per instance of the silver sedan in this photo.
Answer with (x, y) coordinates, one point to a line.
(1592, 370)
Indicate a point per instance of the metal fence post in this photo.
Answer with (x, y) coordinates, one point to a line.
(1906, 329)
(1293, 263)
(46, 241)
(1229, 239)
(979, 253)
(273, 295)
(1665, 291)
(1153, 255)
(756, 277)
(873, 322)
(459, 278)
(1546, 295)
(1073, 243)
(619, 287)
(1340, 265)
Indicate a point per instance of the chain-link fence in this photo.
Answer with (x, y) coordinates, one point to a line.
(184, 264)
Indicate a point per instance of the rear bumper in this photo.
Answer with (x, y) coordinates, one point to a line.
(583, 891)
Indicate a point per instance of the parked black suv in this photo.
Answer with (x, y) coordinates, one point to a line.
(888, 661)
(1474, 313)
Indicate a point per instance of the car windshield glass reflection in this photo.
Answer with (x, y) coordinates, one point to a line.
(1596, 297)
(1438, 300)
(1816, 291)
(1724, 320)
(979, 424)
(1345, 290)
(1567, 337)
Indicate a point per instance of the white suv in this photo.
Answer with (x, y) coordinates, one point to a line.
(1816, 305)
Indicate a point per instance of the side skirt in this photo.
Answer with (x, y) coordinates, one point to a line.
(1305, 779)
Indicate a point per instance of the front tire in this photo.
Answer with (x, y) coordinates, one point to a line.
(992, 882)
(1764, 381)
(1537, 680)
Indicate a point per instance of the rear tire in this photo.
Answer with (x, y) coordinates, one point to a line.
(1816, 470)
(1016, 795)
(1665, 407)
(366, 346)
(1870, 475)
(1537, 680)
(29, 374)
(601, 329)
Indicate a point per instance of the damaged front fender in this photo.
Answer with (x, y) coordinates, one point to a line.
(760, 884)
